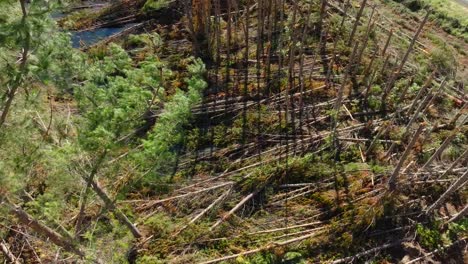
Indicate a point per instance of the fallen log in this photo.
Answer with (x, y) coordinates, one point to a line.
(270, 246)
(8, 254)
(368, 252)
(233, 210)
(153, 203)
(198, 216)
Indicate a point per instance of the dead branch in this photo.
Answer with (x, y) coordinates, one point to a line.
(153, 203)
(396, 172)
(40, 228)
(234, 209)
(436, 251)
(198, 216)
(442, 147)
(368, 252)
(270, 246)
(287, 228)
(111, 205)
(8, 254)
(459, 182)
(460, 214)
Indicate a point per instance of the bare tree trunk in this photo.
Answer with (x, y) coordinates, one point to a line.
(264, 248)
(110, 204)
(246, 73)
(40, 228)
(368, 252)
(394, 76)
(459, 182)
(198, 216)
(339, 100)
(356, 23)
(233, 210)
(460, 214)
(89, 180)
(393, 179)
(322, 36)
(420, 93)
(442, 147)
(421, 109)
(454, 164)
(454, 120)
(6, 251)
(387, 43)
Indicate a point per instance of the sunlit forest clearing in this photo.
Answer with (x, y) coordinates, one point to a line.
(238, 131)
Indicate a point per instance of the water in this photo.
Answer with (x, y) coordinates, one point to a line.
(57, 15)
(87, 38)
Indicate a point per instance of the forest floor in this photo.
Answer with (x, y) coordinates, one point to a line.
(328, 133)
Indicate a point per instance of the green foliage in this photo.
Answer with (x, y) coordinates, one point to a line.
(155, 5)
(160, 224)
(450, 15)
(429, 238)
(115, 96)
(149, 260)
(293, 257)
(160, 149)
(458, 229)
(260, 258)
(144, 41)
(443, 61)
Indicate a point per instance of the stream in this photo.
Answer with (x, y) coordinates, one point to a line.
(87, 38)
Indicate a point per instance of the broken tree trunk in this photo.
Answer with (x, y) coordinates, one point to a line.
(368, 252)
(442, 147)
(394, 76)
(460, 214)
(44, 230)
(198, 216)
(233, 210)
(450, 169)
(459, 182)
(420, 93)
(153, 203)
(426, 256)
(89, 180)
(356, 23)
(454, 120)
(267, 247)
(8, 254)
(393, 179)
(120, 216)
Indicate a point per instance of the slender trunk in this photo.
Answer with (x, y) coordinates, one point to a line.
(356, 23)
(234, 209)
(40, 228)
(442, 147)
(198, 216)
(323, 36)
(246, 73)
(420, 93)
(387, 43)
(89, 180)
(454, 164)
(394, 76)
(8, 254)
(454, 120)
(459, 182)
(393, 179)
(460, 215)
(110, 204)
